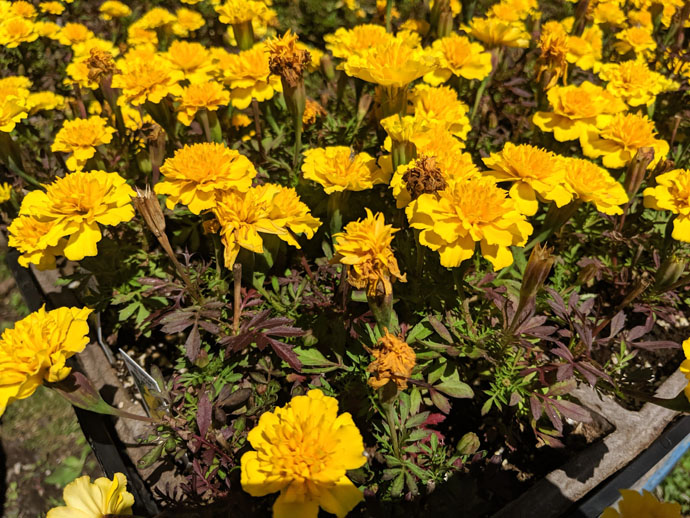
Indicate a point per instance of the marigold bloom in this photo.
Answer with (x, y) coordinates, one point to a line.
(77, 204)
(156, 18)
(392, 63)
(73, 33)
(636, 39)
(634, 82)
(22, 9)
(47, 29)
(672, 192)
(197, 96)
(268, 208)
(577, 109)
(513, 10)
(138, 35)
(619, 141)
(585, 51)
(287, 59)
(36, 348)
(38, 101)
(440, 106)
(248, 76)
(51, 7)
(304, 450)
(344, 43)
(187, 21)
(393, 361)
(234, 12)
(5, 192)
(365, 247)
(97, 499)
(147, 80)
(457, 56)
(80, 137)
(190, 58)
(608, 12)
(534, 171)
(111, 9)
(552, 59)
(198, 174)
(453, 220)
(594, 184)
(15, 31)
(312, 110)
(636, 505)
(337, 168)
(30, 237)
(498, 33)
(13, 107)
(685, 366)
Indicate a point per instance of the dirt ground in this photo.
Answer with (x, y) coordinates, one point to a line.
(42, 448)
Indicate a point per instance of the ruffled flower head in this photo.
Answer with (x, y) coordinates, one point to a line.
(150, 79)
(672, 192)
(198, 174)
(453, 220)
(365, 247)
(102, 497)
(80, 137)
(637, 39)
(234, 12)
(441, 106)
(393, 361)
(15, 31)
(534, 172)
(111, 9)
(634, 82)
(36, 349)
(190, 58)
(337, 168)
(348, 42)
(593, 184)
(304, 450)
(208, 95)
(495, 32)
(457, 56)
(30, 237)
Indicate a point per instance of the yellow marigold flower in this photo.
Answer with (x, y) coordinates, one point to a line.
(636, 505)
(534, 171)
(102, 497)
(268, 208)
(73, 33)
(30, 237)
(312, 110)
(23, 9)
(190, 58)
(13, 107)
(84, 49)
(513, 10)
(304, 450)
(47, 29)
(198, 174)
(187, 21)
(156, 18)
(248, 75)
(234, 12)
(51, 7)
(15, 31)
(45, 101)
(498, 33)
(637, 39)
(391, 64)
(77, 204)
(365, 248)
(138, 35)
(453, 220)
(240, 120)
(421, 27)
(209, 96)
(457, 56)
(393, 361)
(576, 110)
(344, 43)
(407, 130)
(618, 142)
(552, 61)
(5, 192)
(594, 184)
(14, 83)
(634, 82)
(111, 9)
(672, 192)
(337, 168)
(430, 173)
(685, 366)
(78, 72)
(609, 12)
(80, 137)
(585, 51)
(147, 80)
(441, 106)
(36, 348)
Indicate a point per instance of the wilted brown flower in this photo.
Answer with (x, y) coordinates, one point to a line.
(394, 361)
(100, 64)
(424, 177)
(287, 60)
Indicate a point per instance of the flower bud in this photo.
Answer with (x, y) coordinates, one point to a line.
(668, 273)
(637, 169)
(538, 267)
(327, 67)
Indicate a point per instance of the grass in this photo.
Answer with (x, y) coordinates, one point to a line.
(676, 486)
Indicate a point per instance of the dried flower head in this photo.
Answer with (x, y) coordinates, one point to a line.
(424, 177)
(393, 361)
(287, 59)
(100, 64)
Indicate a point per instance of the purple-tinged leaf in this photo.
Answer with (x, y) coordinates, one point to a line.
(553, 416)
(617, 324)
(204, 414)
(286, 353)
(654, 345)
(440, 329)
(439, 401)
(572, 410)
(209, 326)
(535, 407)
(193, 343)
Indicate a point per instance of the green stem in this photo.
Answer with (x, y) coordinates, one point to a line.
(390, 417)
(389, 16)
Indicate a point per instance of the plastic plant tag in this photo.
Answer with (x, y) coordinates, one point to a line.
(154, 405)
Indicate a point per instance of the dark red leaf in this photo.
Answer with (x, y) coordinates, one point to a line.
(204, 414)
(193, 343)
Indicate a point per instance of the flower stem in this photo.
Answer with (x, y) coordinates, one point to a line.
(257, 127)
(237, 290)
(390, 418)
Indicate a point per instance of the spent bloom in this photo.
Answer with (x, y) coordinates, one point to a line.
(77, 205)
(304, 450)
(534, 172)
(35, 350)
(338, 168)
(457, 56)
(634, 82)
(495, 32)
(312, 110)
(476, 209)
(198, 174)
(287, 59)
(672, 192)
(393, 361)
(577, 109)
(619, 141)
(208, 95)
(634, 505)
(80, 138)
(365, 247)
(98, 499)
(594, 184)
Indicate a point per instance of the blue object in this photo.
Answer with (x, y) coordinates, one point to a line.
(667, 466)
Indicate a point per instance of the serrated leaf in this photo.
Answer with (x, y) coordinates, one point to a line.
(152, 456)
